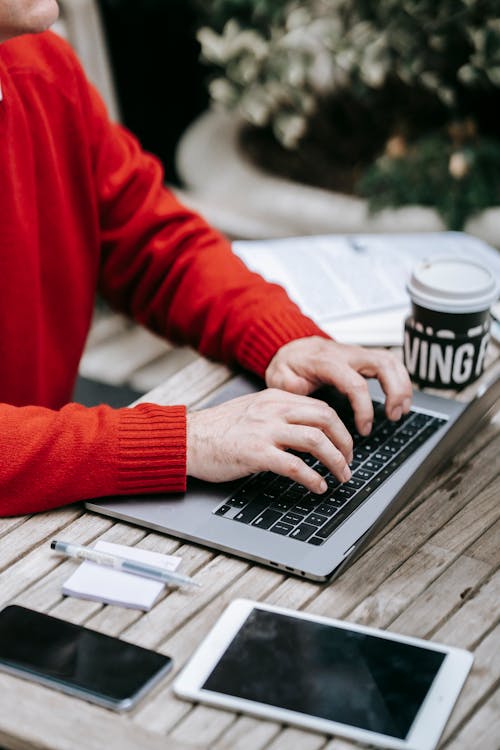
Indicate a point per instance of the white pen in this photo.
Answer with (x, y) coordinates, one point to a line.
(122, 563)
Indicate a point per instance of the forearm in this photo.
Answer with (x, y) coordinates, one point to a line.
(163, 265)
(52, 458)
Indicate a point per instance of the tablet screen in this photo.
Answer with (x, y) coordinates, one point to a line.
(326, 671)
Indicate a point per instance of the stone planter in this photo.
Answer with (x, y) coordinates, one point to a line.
(245, 202)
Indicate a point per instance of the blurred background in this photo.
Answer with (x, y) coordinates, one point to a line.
(278, 117)
(390, 101)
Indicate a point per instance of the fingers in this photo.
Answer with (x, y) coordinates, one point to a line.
(349, 378)
(397, 387)
(317, 414)
(392, 376)
(293, 467)
(314, 441)
(354, 386)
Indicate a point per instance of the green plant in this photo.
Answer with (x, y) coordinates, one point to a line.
(280, 63)
(457, 181)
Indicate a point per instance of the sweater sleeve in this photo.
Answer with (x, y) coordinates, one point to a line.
(166, 267)
(52, 458)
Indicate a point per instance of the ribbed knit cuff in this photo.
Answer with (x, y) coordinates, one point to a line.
(266, 335)
(152, 449)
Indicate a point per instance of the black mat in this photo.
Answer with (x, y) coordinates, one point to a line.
(91, 393)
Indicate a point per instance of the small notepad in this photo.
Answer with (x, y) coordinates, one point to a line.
(102, 584)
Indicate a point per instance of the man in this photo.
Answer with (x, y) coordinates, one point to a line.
(81, 208)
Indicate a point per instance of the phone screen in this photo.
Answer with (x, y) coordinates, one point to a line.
(328, 672)
(75, 657)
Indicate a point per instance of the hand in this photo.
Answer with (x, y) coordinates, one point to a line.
(303, 365)
(252, 433)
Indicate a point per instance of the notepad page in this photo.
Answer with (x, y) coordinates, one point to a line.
(102, 584)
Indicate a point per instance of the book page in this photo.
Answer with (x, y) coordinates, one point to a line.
(333, 276)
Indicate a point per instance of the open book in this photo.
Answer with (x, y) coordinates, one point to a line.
(354, 286)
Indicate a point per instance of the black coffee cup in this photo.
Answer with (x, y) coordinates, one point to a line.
(446, 336)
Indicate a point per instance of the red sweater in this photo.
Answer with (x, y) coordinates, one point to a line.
(82, 207)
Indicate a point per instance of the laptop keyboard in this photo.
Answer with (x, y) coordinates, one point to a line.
(279, 505)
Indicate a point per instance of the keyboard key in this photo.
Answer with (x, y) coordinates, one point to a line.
(316, 540)
(243, 495)
(420, 420)
(390, 449)
(316, 519)
(325, 531)
(386, 430)
(269, 496)
(425, 435)
(296, 492)
(281, 528)
(399, 440)
(372, 443)
(372, 465)
(303, 508)
(381, 457)
(293, 518)
(408, 431)
(309, 460)
(363, 474)
(267, 519)
(332, 482)
(251, 511)
(222, 510)
(282, 484)
(238, 502)
(355, 483)
(344, 492)
(303, 532)
(360, 454)
(322, 469)
(327, 509)
(283, 504)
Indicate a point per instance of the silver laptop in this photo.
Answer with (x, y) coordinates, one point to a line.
(273, 521)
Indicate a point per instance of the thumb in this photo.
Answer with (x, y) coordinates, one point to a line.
(288, 380)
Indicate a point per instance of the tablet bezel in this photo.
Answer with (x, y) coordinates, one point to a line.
(425, 730)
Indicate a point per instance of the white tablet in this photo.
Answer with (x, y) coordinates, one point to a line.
(326, 675)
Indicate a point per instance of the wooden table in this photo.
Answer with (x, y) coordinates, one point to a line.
(432, 573)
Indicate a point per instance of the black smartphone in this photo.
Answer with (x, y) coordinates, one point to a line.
(77, 660)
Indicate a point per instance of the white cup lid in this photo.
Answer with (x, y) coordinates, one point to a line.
(453, 285)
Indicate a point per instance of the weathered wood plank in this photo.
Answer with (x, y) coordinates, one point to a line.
(476, 616)
(105, 326)
(442, 598)
(423, 567)
(190, 384)
(254, 583)
(35, 530)
(337, 743)
(486, 433)
(41, 560)
(115, 361)
(297, 738)
(154, 373)
(400, 588)
(403, 540)
(482, 681)
(182, 604)
(36, 717)
(248, 734)
(9, 524)
(487, 547)
(483, 730)
(46, 593)
(204, 727)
